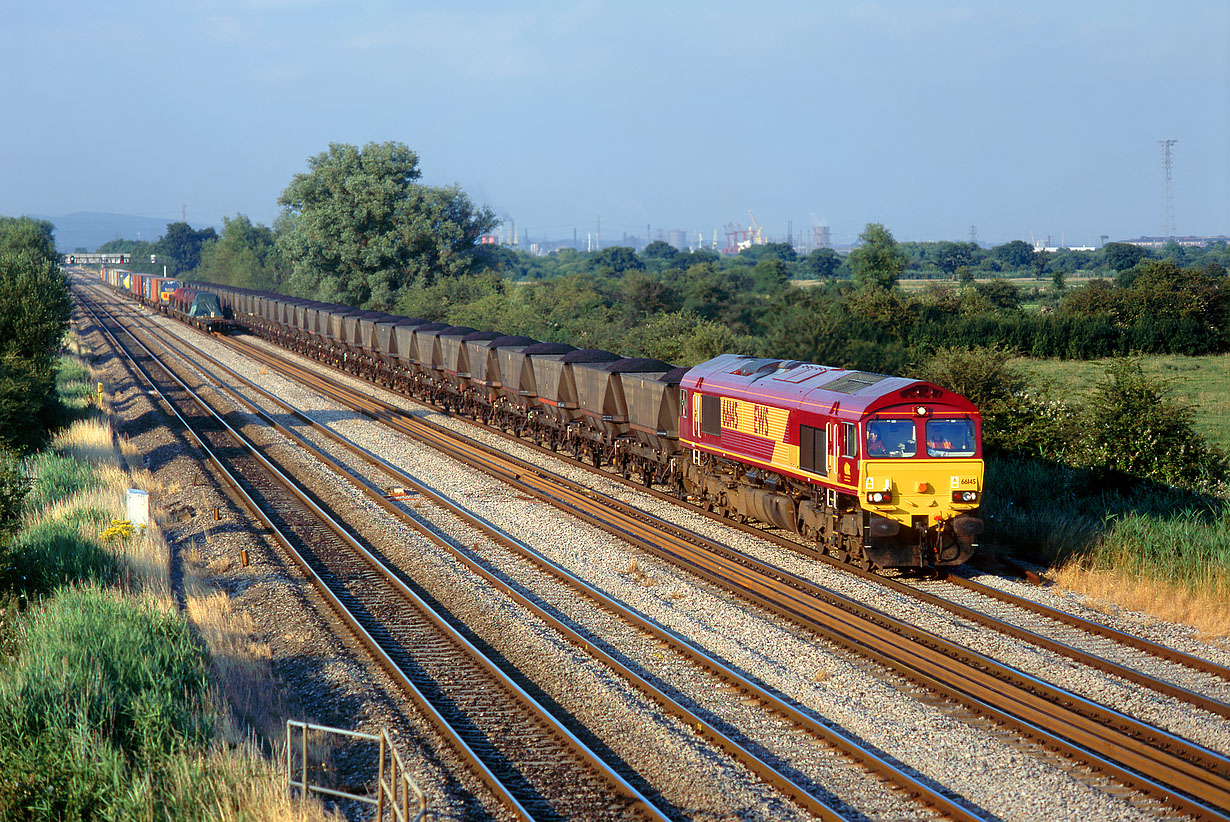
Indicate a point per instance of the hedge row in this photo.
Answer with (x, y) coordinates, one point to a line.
(1077, 338)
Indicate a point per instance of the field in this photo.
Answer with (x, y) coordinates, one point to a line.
(1203, 382)
(1164, 552)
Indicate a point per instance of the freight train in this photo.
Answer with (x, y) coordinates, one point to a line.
(877, 471)
(150, 289)
(194, 306)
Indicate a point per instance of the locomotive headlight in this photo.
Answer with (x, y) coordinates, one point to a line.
(965, 496)
(921, 410)
(880, 497)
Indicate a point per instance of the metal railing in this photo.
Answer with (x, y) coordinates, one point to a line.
(393, 782)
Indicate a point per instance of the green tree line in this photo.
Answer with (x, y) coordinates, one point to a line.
(34, 312)
(359, 227)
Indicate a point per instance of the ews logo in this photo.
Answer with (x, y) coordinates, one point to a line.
(730, 414)
(758, 424)
(760, 421)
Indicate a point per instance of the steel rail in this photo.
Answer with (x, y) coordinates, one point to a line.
(1173, 769)
(633, 796)
(1122, 637)
(924, 792)
(1084, 657)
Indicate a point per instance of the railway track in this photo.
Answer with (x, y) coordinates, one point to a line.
(729, 742)
(534, 764)
(1175, 686)
(1049, 632)
(1157, 767)
(1170, 769)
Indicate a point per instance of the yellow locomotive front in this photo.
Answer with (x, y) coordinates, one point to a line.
(922, 474)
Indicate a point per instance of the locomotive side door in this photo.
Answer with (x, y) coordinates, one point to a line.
(845, 451)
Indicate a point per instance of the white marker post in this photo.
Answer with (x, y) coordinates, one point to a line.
(138, 508)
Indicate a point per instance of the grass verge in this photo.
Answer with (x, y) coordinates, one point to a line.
(111, 699)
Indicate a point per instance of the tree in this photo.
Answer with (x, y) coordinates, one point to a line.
(823, 262)
(1163, 290)
(34, 302)
(683, 339)
(877, 262)
(360, 228)
(658, 250)
(1000, 293)
(781, 251)
(1015, 414)
(770, 275)
(1122, 256)
(1132, 426)
(180, 248)
(951, 256)
(1016, 254)
(1041, 263)
(243, 256)
(616, 259)
(34, 312)
(646, 295)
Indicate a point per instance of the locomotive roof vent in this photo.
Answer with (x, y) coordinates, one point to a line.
(853, 382)
(750, 367)
(922, 392)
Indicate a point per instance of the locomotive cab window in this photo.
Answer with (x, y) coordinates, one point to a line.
(891, 438)
(849, 440)
(950, 438)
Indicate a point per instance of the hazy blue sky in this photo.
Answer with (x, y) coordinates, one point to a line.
(928, 117)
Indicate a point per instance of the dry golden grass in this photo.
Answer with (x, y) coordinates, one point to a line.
(241, 665)
(1205, 613)
(89, 440)
(258, 791)
(144, 557)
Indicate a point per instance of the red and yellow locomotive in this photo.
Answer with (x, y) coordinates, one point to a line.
(879, 471)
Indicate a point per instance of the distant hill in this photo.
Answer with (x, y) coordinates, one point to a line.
(90, 229)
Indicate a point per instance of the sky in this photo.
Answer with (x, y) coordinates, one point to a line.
(1020, 120)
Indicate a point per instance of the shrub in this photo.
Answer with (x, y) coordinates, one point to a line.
(14, 485)
(1017, 416)
(1133, 428)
